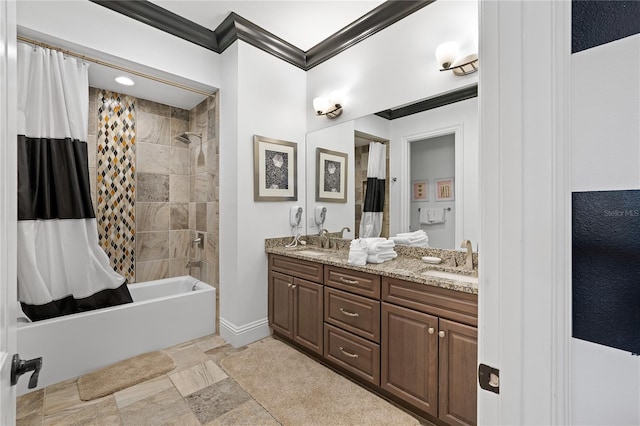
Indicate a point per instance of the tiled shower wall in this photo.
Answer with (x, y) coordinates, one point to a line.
(158, 191)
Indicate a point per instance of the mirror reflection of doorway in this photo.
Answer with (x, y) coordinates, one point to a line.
(432, 172)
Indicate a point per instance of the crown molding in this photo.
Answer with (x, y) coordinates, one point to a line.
(235, 27)
(162, 19)
(431, 103)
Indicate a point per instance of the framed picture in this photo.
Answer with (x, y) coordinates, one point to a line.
(331, 176)
(275, 170)
(420, 190)
(444, 189)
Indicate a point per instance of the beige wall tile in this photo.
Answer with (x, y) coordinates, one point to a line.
(179, 188)
(153, 158)
(211, 124)
(179, 126)
(152, 187)
(178, 267)
(152, 270)
(153, 129)
(192, 215)
(151, 107)
(180, 161)
(179, 242)
(201, 217)
(201, 187)
(152, 246)
(92, 150)
(211, 248)
(152, 217)
(212, 217)
(179, 216)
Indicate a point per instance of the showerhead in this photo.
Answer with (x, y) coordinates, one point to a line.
(184, 137)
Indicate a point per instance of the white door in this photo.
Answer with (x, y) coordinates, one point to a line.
(8, 209)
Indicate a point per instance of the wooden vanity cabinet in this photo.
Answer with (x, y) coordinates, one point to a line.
(429, 356)
(296, 304)
(411, 342)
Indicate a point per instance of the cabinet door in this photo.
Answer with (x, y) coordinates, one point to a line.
(280, 303)
(410, 356)
(458, 360)
(307, 317)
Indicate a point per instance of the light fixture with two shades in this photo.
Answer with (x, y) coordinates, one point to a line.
(447, 55)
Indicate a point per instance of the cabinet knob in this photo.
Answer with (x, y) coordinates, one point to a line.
(289, 285)
(294, 286)
(431, 330)
(441, 333)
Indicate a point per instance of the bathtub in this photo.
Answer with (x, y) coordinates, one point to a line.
(163, 313)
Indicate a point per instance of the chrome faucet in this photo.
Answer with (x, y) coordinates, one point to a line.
(324, 239)
(468, 260)
(199, 240)
(194, 264)
(346, 228)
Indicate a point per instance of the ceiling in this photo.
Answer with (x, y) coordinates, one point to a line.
(301, 23)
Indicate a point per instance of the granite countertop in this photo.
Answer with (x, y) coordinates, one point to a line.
(407, 266)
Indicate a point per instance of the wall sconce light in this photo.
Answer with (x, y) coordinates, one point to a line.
(447, 57)
(330, 107)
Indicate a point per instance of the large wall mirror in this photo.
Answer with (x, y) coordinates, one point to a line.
(432, 174)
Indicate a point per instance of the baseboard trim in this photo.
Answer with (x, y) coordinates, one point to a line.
(243, 335)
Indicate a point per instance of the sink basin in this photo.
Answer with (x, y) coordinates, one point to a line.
(452, 276)
(311, 252)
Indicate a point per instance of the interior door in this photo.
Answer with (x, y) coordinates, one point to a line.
(8, 209)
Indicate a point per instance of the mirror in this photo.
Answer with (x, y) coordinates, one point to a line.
(434, 153)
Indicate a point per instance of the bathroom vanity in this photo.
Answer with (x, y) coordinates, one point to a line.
(404, 329)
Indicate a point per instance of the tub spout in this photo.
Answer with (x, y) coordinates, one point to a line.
(194, 264)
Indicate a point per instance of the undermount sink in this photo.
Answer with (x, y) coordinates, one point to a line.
(452, 276)
(311, 252)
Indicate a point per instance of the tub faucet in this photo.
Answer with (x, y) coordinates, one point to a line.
(199, 240)
(468, 259)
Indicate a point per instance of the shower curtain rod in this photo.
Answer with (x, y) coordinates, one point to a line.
(117, 67)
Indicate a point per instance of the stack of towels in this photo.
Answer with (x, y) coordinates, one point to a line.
(371, 250)
(414, 239)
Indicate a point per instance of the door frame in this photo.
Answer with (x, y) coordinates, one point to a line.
(525, 195)
(405, 166)
(8, 208)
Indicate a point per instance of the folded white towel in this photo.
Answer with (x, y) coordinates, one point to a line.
(357, 257)
(380, 246)
(381, 257)
(400, 240)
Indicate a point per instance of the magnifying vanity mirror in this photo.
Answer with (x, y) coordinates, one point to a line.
(431, 174)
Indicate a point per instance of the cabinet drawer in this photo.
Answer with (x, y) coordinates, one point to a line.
(355, 354)
(296, 267)
(356, 314)
(449, 304)
(353, 281)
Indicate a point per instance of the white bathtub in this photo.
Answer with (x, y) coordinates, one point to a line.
(163, 313)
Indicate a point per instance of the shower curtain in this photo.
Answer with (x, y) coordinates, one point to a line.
(61, 267)
(371, 222)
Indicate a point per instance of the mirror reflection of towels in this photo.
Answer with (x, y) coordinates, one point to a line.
(427, 215)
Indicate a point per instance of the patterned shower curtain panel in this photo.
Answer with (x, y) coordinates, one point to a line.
(61, 268)
(371, 222)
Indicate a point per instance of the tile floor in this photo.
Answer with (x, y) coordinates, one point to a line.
(197, 392)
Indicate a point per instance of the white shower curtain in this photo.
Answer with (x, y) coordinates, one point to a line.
(61, 267)
(371, 222)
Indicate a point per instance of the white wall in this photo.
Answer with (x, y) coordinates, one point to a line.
(605, 145)
(269, 101)
(89, 28)
(396, 66)
(336, 138)
(463, 116)
(432, 159)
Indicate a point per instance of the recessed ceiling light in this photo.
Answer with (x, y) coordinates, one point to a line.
(125, 81)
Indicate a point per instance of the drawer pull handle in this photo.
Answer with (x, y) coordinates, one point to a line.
(346, 281)
(431, 330)
(350, 314)
(348, 353)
